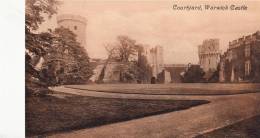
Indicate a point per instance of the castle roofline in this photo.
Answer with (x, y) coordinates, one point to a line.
(257, 32)
(79, 18)
(247, 39)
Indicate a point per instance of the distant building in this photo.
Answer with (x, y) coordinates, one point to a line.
(77, 24)
(155, 59)
(241, 62)
(209, 55)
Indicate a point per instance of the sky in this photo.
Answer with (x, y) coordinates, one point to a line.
(154, 23)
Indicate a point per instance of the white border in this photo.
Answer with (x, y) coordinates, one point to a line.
(12, 44)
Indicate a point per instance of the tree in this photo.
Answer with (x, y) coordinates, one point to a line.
(34, 11)
(122, 50)
(194, 74)
(67, 62)
(36, 44)
(132, 69)
(144, 69)
(126, 48)
(34, 15)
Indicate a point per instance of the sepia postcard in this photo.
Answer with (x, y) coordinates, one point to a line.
(142, 69)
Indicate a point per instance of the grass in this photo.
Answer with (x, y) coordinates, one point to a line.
(173, 89)
(49, 114)
(249, 128)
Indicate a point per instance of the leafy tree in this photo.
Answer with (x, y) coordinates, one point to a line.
(133, 69)
(67, 61)
(194, 74)
(144, 69)
(34, 11)
(122, 50)
(36, 44)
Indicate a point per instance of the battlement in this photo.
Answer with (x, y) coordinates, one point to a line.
(244, 40)
(209, 46)
(209, 54)
(211, 41)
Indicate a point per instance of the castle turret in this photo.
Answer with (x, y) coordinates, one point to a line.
(209, 54)
(77, 24)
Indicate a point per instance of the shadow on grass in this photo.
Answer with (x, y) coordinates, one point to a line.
(49, 114)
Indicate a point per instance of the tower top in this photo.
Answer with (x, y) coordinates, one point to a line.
(209, 46)
(78, 18)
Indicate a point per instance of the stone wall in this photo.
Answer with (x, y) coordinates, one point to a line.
(241, 62)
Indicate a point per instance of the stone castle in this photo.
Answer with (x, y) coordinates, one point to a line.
(240, 63)
(209, 54)
(77, 24)
(155, 59)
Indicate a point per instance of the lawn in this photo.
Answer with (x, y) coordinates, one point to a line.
(47, 115)
(172, 89)
(249, 128)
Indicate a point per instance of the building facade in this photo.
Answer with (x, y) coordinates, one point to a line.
(241, 61)
(77, 24)
(209, 55)
(155, 59)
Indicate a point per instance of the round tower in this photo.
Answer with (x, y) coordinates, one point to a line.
(77, 24)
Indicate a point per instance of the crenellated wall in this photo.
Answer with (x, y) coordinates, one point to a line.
(240, 63)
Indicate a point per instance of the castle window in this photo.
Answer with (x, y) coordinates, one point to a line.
(247, 68)
(247, 51)
(75, 27)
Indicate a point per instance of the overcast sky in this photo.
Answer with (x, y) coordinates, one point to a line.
(155, 23)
